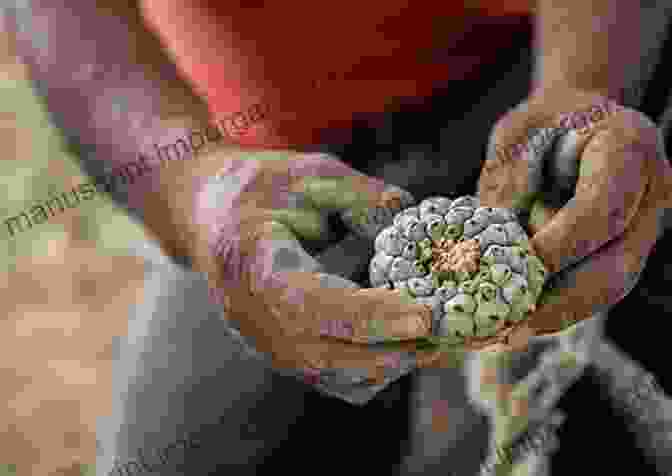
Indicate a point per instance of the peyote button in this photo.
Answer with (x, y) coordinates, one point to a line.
(518, 260)
(466, 201)
(435, 226)
(390, 241)
(472, 265)
(493, 235)
(420, 286)
(447, 290)
(496, 254)
(486, 292)
(461, 303)
(412, 212)
(434, 206)
(403, 269)
(500, 273)
(410, 251)
(469, 286)
(515, 232)
(514, 288)
(412, 228)
(453, 231)
(458, 215)
(379, 269)
(474, 225)
(459, 324)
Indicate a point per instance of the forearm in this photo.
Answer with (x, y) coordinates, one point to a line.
(587, 44)
(103, 72)
(109, 86)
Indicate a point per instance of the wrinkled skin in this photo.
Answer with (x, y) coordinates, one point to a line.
(244, 229)
(613, 165)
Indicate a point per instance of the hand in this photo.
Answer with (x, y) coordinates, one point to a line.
(251, 214)
(597, 182)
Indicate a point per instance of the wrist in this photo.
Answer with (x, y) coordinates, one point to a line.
(556, 79)
(588, 45)
(562, 93)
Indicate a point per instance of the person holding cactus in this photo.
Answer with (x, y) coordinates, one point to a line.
(254, 220)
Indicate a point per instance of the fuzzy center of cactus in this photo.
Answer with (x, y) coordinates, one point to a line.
(462, 257)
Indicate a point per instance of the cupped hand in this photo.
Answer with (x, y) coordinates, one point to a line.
(594, 179)
(251, 214)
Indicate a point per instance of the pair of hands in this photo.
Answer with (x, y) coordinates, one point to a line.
(247, 218)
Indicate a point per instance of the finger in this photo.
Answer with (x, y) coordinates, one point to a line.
(289, 204)
(442, 358)
(525, 133)
(343, 364)
(369, 218)
(306, 223)
(355, 315)
(601, 280)
(562, 172)
(328, 183)
(366, 204)
(612, 180)
(513, 173)
(351, 372)
(337, 194)
(284, 301)
(517, 341)
(302, 298)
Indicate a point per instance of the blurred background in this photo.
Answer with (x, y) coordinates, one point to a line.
(55, 363)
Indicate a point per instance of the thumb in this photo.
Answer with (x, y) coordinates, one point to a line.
(369, 316)
(294, 286)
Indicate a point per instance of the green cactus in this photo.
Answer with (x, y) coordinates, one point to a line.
(503, 289)
(487, 329)
(500, 273)
(458, 324)
(425, 251)
(461, 303)
(519, 311)
(436, 230)
(486, 293)
(484, 274)
(469, 286)
(492, 310)
(453, 232)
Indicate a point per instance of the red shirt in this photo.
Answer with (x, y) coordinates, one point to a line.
(317, 64)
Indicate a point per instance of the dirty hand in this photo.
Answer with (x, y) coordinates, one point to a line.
(594, 177)
(250, 218)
